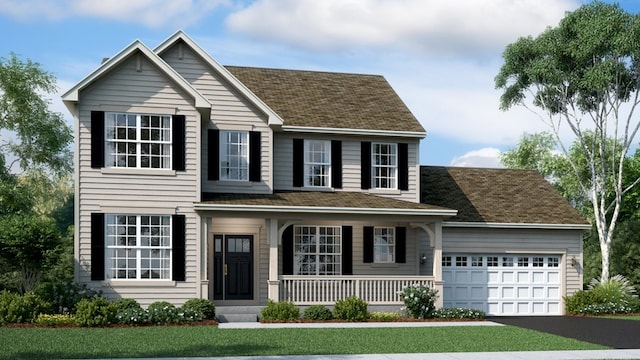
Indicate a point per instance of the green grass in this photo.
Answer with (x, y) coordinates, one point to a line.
(188, 341)
(623, 317)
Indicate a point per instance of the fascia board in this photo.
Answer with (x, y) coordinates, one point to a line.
(454, 224)
(72, 95)
(345, 131)
(273, 117)
(323, 210)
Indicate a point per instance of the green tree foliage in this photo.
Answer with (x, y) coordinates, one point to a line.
(584, 75)
(27, 244)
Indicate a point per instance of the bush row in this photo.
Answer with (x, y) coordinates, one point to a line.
(98, 311)
(613, 296)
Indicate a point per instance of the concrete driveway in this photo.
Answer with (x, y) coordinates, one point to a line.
(616, 333)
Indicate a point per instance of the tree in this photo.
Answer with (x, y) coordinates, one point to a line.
(42, 137)
(584, 75)
(27, 243)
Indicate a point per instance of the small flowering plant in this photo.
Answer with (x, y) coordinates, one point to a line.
(419, 301)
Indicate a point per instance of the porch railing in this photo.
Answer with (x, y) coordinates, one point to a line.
(375, 290)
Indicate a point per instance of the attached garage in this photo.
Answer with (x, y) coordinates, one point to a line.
(503, 284)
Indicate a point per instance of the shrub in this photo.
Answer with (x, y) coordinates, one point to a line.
(459, 313)
(161, 312)
(575, 303)
(613, 296)
(419, 301)
(317, 312)
(199, 309)
(55, 319)
(64, 296)
(132, 316)
(95, 312)
(606, 308)
(280, 311)
(384, 316)
(21, 309)
(351, 309)
(616, 289)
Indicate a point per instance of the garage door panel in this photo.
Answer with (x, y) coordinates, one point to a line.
(507, 285)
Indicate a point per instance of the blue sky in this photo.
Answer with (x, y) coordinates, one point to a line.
(440, 56)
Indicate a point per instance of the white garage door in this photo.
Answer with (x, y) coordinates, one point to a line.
(503, 284)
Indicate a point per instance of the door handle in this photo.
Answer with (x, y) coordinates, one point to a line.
(225, 269)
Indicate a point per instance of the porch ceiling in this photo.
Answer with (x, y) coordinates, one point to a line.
(341, 202)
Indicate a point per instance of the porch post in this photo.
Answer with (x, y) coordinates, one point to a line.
(274, 283)
(437, 263)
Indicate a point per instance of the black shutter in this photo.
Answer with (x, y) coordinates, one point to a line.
(365, 165)
(97, 246)
(347, 250)
(401, 244)
(178, 249)
(336, 164)
(213, 154)
(287, 251)
(255, 159)
(178, 142)
(97, 139)
(403, 166)
(298, 162)
(367, 245)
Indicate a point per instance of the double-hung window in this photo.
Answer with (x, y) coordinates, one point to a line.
(138, 141)
(138, 246)
(317, 250)
(384, 245)
(384, 160)
(317, 163)
(234, 155)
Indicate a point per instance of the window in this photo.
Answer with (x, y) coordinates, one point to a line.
(138, 141)
(138, 246)
(384, 245)
(476, 261)
(492, 261)
(317, 163)
(384, 159)
(317, 250)
(553, 262)
(523, 261)
(461, 261)
(234, 155)
(538, 261)
(446, 261)
(507, 261)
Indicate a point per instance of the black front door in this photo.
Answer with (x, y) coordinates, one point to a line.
(233, 267)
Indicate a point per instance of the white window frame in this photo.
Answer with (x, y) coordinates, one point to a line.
(384, 245)
(234, 155)
(317, 163)
(384, 163)
(125, 141)
(130, 243)
(317, 250)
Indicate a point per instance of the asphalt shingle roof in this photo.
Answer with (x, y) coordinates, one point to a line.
(496, 196)
(329, 100)
(339, 199)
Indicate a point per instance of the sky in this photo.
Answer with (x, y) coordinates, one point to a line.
(441, 56)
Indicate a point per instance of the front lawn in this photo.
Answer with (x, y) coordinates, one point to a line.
(623, 317)
(193, 341)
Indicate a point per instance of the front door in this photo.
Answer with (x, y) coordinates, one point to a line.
(233, 267)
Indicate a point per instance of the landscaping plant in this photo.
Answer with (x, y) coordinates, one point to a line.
(280, 311)
(419, 301)
(351, 309)
(318, 313)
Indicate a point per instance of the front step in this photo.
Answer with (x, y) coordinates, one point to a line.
(238, 313)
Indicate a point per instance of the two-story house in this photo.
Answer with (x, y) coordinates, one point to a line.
(237, 184)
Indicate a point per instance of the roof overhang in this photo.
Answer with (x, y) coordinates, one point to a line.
(323, 210)
(456, 224)
(359, 132)
(272, 117)
(72, 95)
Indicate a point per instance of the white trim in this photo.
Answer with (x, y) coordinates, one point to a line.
(273, 117)
(345, 131)
(322, 210)
(462, 224)
(72, 95)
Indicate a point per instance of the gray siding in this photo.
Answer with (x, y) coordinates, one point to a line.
(283, 163)
(569, 242)
(145, 91)
(230, 111)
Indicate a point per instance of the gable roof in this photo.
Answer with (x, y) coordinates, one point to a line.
(72, 95)
(180, 37)
(497, 196)
(333, 102)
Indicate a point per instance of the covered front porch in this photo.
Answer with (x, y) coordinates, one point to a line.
(415, 257)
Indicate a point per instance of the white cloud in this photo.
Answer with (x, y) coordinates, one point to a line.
(151, 13)
(485, 157)
(431, 27)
